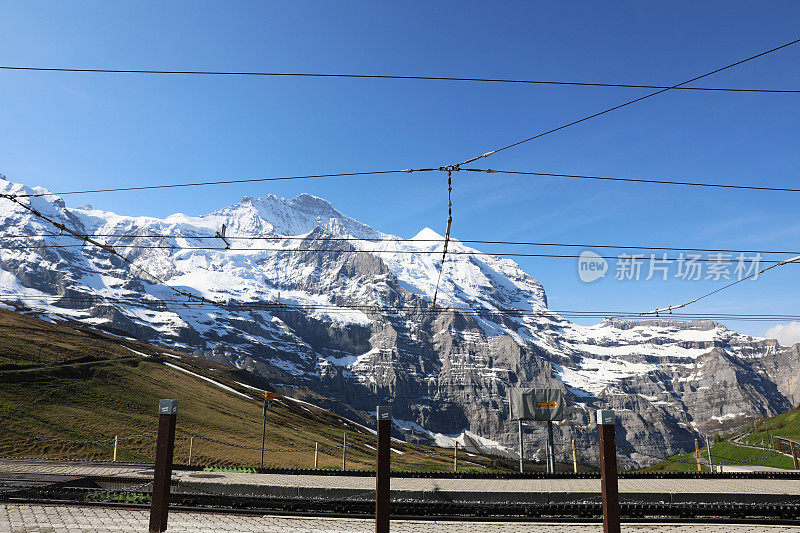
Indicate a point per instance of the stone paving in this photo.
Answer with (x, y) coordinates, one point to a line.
(674, 486)
(69, 519)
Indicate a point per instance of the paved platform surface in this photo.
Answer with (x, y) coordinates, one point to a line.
(694, 486)
(69, 519)
(630, 486)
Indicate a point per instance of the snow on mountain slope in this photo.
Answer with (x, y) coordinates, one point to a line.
(316, 299)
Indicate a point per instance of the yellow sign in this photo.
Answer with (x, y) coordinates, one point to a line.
(544, 405)
(269, 396)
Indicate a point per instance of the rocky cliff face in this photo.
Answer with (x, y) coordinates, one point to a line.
(311, 302)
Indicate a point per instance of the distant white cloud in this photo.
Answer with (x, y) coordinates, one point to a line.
(786, 334)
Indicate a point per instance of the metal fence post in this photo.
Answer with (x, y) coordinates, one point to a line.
(521, 449)
(608, 471)
(697, 455)
(382, 469)
(708, 449)
(344, 451)
(165, 446)
(574, 458)
(551, 452)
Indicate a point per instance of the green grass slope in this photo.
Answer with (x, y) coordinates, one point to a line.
(782, 425)
(66, 383)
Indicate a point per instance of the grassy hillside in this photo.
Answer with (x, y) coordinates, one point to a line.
(782, 425)
(78, 384)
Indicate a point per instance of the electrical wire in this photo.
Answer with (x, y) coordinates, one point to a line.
(669, 309)
(385, 76)
(399, 240)
(446, 233)
(639, 257)
(637, 180)
(629, 102)
(149, 301)
(223, 182)
(408, 171)
(94, 242)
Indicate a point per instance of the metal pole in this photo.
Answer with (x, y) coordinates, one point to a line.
(455, 457)
(344, 451)
(521, 450)
(551, 452)
(191, 443)
(708, 450)
(697, 455)
(263, 428)
(116, 442)
(608, 471)
(165, 446)
(574, 458)
(316, 454)
(382, 472)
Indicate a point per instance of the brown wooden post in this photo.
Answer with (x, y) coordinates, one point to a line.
(316, 454)
(382, 469)
(165, 446)
(455, 457)
(608, 471)
(794, 455)
(697, 455)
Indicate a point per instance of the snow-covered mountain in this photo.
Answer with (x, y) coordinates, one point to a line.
(310, 301)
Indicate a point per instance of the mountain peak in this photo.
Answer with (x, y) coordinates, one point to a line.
(427, 234)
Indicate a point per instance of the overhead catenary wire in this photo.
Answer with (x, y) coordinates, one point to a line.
(455, 168)
(669, 309)
(94, 242)
(639, 257)
(399, 240)
(223, 182)
(629, 102)
(268, 305)
(446, 233)
(383, 76)
(637, 180)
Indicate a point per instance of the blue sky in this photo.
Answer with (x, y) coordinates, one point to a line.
(73, 131)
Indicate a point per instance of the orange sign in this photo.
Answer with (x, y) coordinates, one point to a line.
(269, 396)
(544, 405)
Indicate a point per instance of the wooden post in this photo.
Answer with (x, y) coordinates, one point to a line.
(165, 446)
(382, 469)
(316, 454)
(116, 443)
(455, 457)
(191, 442)
(608, 471)
(344, 451)
(574, 458)
(697, 455)
(794, 454)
